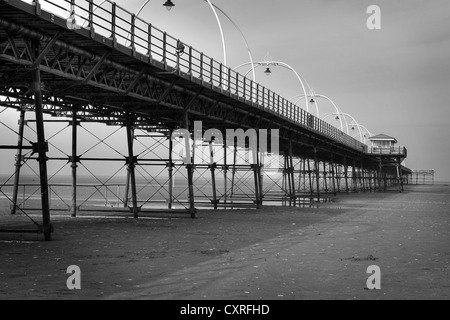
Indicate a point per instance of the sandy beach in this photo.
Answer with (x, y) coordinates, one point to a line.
(273, 253)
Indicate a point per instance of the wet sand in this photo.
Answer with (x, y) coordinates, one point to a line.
(273, 253)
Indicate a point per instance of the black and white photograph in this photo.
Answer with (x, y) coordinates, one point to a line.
(224, 156)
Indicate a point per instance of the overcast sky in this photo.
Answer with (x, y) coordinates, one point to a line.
(393, 81)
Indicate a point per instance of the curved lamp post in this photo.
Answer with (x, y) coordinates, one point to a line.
(268, 63)
(362, 130)
(317, 95)
(355, 123)
(367, 132)
(339, 117)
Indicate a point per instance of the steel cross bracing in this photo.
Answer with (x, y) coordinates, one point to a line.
(124, 72)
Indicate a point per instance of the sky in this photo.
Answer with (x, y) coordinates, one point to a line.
(393, 80)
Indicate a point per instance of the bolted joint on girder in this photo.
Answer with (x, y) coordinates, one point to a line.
(74, 159)
(190, 166)
(71, 123)
(19, 160)
(212, 166)
(131, 161)
(170, 166)
(39, 147)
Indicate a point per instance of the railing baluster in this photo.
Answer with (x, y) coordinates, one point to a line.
(113, 22)
(211, 67)
(190, 61)
(165, 50)
(244, 91)
(273, 100)
(91, 15)
(133, 31)
(37, 7)
(149, 40)
(201, 66)
(257, 93)
(220, 75)
(229, 79)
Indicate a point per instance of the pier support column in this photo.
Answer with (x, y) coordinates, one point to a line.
(170, 166)
(261, 177)
(233, 171)
(225, 170)
(346, 175)
(333, 176)
(399, 174)
(311, 185)
(131, 162)
(212, 166)
(380, 175)
(256, 173)
(362, 177)
(317, 170)
(291, 174)
(354, 177)
(302, 176)
(190, 170)
(325, 175)
(74, 159)
(126, 195)
(41, 145)
(19, 159)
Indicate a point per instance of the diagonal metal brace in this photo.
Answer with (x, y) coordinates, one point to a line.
(96, 67)
(46, 49)
(135, 81)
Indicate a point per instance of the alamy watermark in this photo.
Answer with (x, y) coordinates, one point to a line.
(374, 281)
(251, 141)
(374, 20)
(74, 280)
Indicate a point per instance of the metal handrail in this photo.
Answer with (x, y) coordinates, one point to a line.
(126, 29)
(388, 150)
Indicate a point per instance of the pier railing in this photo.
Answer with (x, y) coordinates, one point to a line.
(401, 151)
(139, 37)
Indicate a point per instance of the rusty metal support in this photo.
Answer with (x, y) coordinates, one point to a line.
(18, 163)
